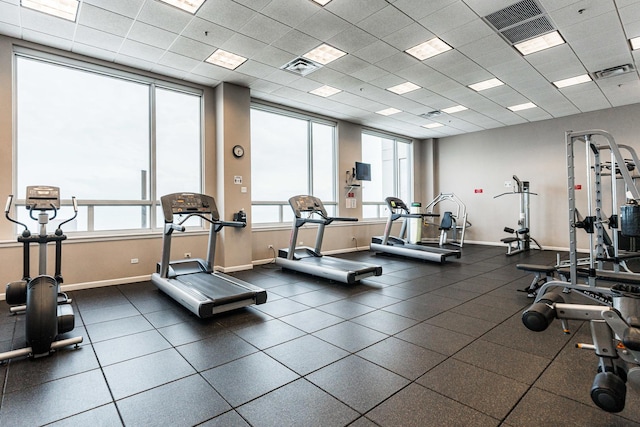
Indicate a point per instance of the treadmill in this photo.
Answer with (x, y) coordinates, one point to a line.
(310, 260)
(192, 282)
(400, 245)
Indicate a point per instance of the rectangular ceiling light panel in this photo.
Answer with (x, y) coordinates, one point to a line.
(455, 109)
(226, 59)
(433, 125)
(190, 6)
(66, 9)
(430, 48)
(325, 91)
(539, 43)
(403, 88)
(389, 111)
(572, 81)
(521, 107)
(635, 43)
(487, 84)
(324, 54)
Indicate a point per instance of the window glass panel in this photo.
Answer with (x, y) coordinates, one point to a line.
(177, 142)
(323, 163)
(266, 214)
(64, 213)
(89, 133)
(278, 156)
(391, 171)
(119, 217)
(83, 132)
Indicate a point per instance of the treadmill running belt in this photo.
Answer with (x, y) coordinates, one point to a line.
(217, 289)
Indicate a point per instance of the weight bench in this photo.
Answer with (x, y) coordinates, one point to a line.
(541, 275)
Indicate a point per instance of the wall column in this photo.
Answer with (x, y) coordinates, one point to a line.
(233, 127)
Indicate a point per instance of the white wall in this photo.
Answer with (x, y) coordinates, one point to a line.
(535, 152)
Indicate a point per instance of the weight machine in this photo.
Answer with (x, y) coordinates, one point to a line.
(614, 312)
(454, 223)
(520, 240)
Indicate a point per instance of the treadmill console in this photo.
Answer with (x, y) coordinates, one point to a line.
(395, 203)
(188, 203)
(43, 197)
(307, 204)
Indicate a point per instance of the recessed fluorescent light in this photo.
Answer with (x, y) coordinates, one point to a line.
(324, 54)
(190, 6)
(403, 88)
(539, 43)
(455, 109)
(635, 43)
(389, 111)
(572, 81)
(432, 125)
(66, 9)
(226, 59)
(487, 84)
(524, 106)
(325, 91)
(428, 49)
(322, 2)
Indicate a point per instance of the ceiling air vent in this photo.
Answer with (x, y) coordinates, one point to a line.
(431, 114)
(612, 72)
(301, 66)
(521, 21)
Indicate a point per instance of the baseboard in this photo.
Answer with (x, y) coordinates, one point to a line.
(98, 284)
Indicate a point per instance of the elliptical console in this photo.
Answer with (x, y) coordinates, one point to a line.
(48, 312)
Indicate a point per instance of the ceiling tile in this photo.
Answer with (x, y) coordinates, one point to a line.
(265, 29)
(104, 20)
(322, 25)
(384, 22)
(225, 13)
(153, 36)
(191, 48)
(290, 12)
(164, 16)
(207, 32)
(128, 8)
(355, 11)
(296, 43)
(98, 38)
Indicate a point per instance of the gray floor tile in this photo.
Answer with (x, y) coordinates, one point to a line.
(350, 336)
(82, 392)
(248, 378)
(306, 354)
(417, 406)
(358, 382)
(469, 385)
(401, 357)
(435, 338)
(270, 333)
(212, 352)
(146, 372)
(282, 408)
(188, 401)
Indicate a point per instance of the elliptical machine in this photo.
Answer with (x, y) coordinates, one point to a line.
(48, 312)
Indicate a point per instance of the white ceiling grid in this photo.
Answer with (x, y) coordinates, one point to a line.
(154, 36)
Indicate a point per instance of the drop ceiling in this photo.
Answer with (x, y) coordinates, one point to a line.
(153, 36)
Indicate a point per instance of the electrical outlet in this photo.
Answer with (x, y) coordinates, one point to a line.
(187, 254)
(134, 260)
(269, 246)
(353, 238)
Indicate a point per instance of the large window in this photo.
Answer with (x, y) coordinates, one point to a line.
(290, 155)
(115, 141)
(391, 172)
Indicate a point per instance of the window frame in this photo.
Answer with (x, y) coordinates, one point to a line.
(283, 205)
(152, 203)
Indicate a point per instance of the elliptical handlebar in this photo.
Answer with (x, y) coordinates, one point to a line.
(75, 214)
(7, 209)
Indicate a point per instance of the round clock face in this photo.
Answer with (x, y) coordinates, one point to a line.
(238, 151)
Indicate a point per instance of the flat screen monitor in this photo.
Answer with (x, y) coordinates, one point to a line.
(363, 171)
